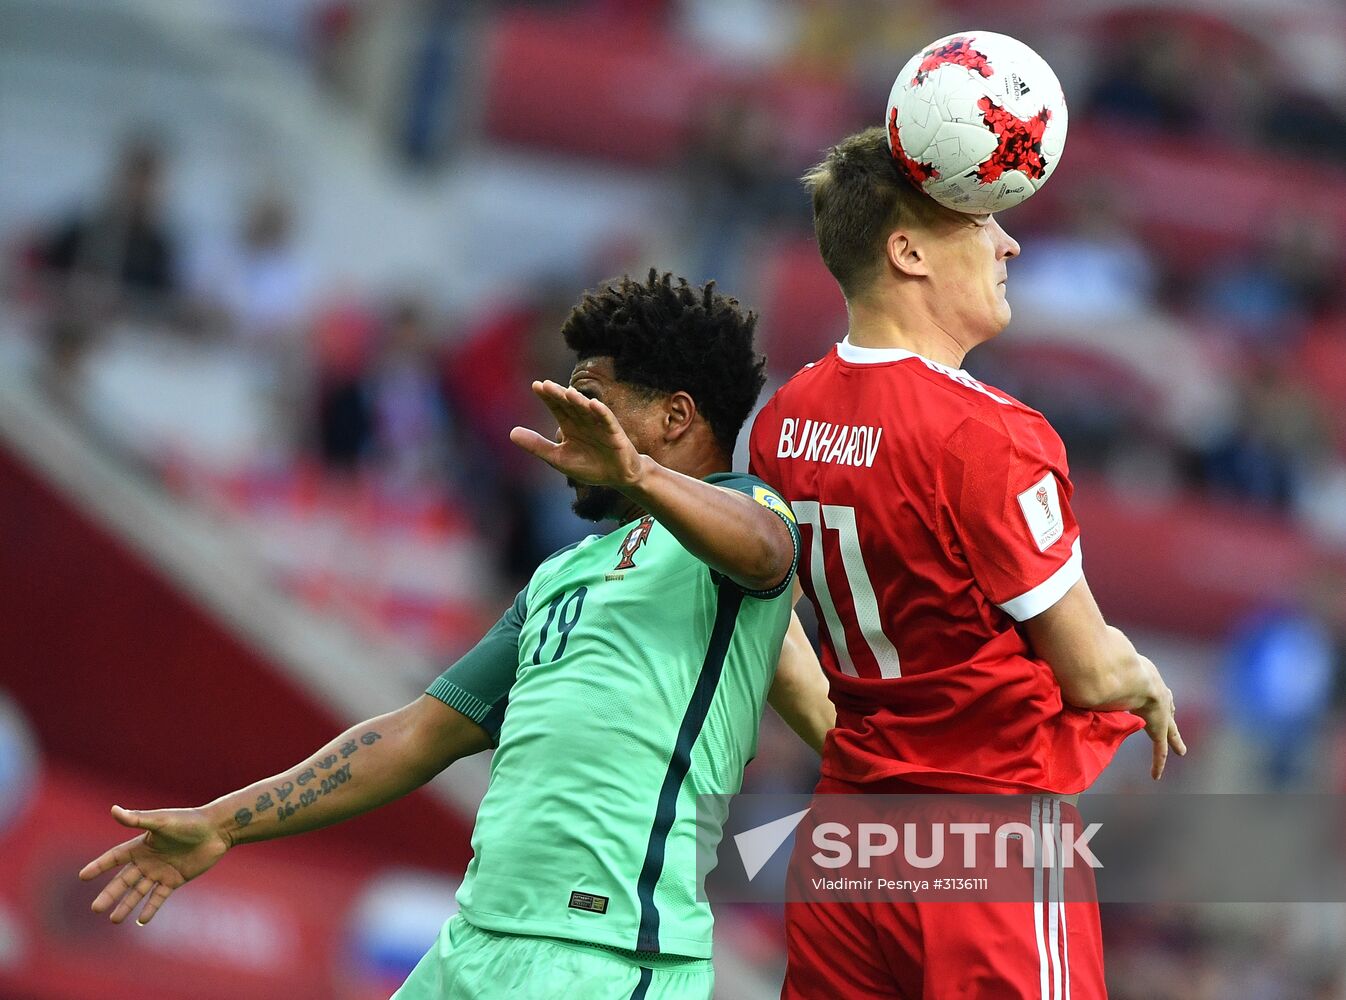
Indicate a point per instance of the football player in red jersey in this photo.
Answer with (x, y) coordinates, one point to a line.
(965, 651)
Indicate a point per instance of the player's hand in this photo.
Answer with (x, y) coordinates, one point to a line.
(176, 847)
(1161, 727)
(591, 446)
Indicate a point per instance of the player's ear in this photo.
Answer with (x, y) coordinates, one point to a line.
(905, 253)
(679, 414)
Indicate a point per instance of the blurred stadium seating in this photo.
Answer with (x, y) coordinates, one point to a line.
(275, 277)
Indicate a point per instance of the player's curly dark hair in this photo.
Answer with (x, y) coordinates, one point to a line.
(667, 335)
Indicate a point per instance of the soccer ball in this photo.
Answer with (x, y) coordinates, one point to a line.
(977, 120)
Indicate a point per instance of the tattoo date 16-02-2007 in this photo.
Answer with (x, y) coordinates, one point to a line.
(317, 786)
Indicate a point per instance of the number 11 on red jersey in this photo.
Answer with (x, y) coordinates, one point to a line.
(864, 620)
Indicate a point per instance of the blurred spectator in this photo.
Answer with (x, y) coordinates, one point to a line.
(737, 183)
(68, 337)
(431, 111)
(1185, 72)
(260, 281)
(490, 369)
(1321, 503)
(1280, 676)
(1320, 361)
(1320, 366)
(409, 414)
(342, 340)
(20, 762)
(1089, 267)
(1238, 86)
(120, 249)
(488, 376)
(1307, 123)
(331, 25)
(1269, 295)
(1276, 431)
(859, 40)
(1148, 79)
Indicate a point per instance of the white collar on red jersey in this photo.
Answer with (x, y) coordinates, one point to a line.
(849, 352)
(879, 355)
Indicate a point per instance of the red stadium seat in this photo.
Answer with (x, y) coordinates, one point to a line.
(608, 88)
(591, 86)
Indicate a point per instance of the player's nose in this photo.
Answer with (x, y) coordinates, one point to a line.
(1006, 245)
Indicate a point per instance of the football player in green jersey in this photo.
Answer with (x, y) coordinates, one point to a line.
(626, 679)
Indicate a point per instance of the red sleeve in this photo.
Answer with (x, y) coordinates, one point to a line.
(761, 444)
(1003, 492)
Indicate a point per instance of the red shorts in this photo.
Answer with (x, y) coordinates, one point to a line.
(918, 948)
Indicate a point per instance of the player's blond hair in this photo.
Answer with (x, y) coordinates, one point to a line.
(859, 197)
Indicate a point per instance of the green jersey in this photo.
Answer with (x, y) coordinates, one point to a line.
(626, 679)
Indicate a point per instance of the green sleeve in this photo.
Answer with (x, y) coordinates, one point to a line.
(478, 684)
(772, 501)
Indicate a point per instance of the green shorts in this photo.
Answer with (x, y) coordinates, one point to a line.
(470, 963)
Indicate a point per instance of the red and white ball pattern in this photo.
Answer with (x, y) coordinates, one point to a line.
(977, 120)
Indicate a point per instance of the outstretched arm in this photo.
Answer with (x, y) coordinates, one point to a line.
(729, 531)
(367, 766)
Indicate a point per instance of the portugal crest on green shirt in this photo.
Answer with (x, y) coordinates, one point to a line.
(635, 538)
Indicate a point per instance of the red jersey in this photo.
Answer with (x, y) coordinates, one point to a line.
(935, 514)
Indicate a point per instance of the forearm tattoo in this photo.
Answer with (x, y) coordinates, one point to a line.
(312, 786)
